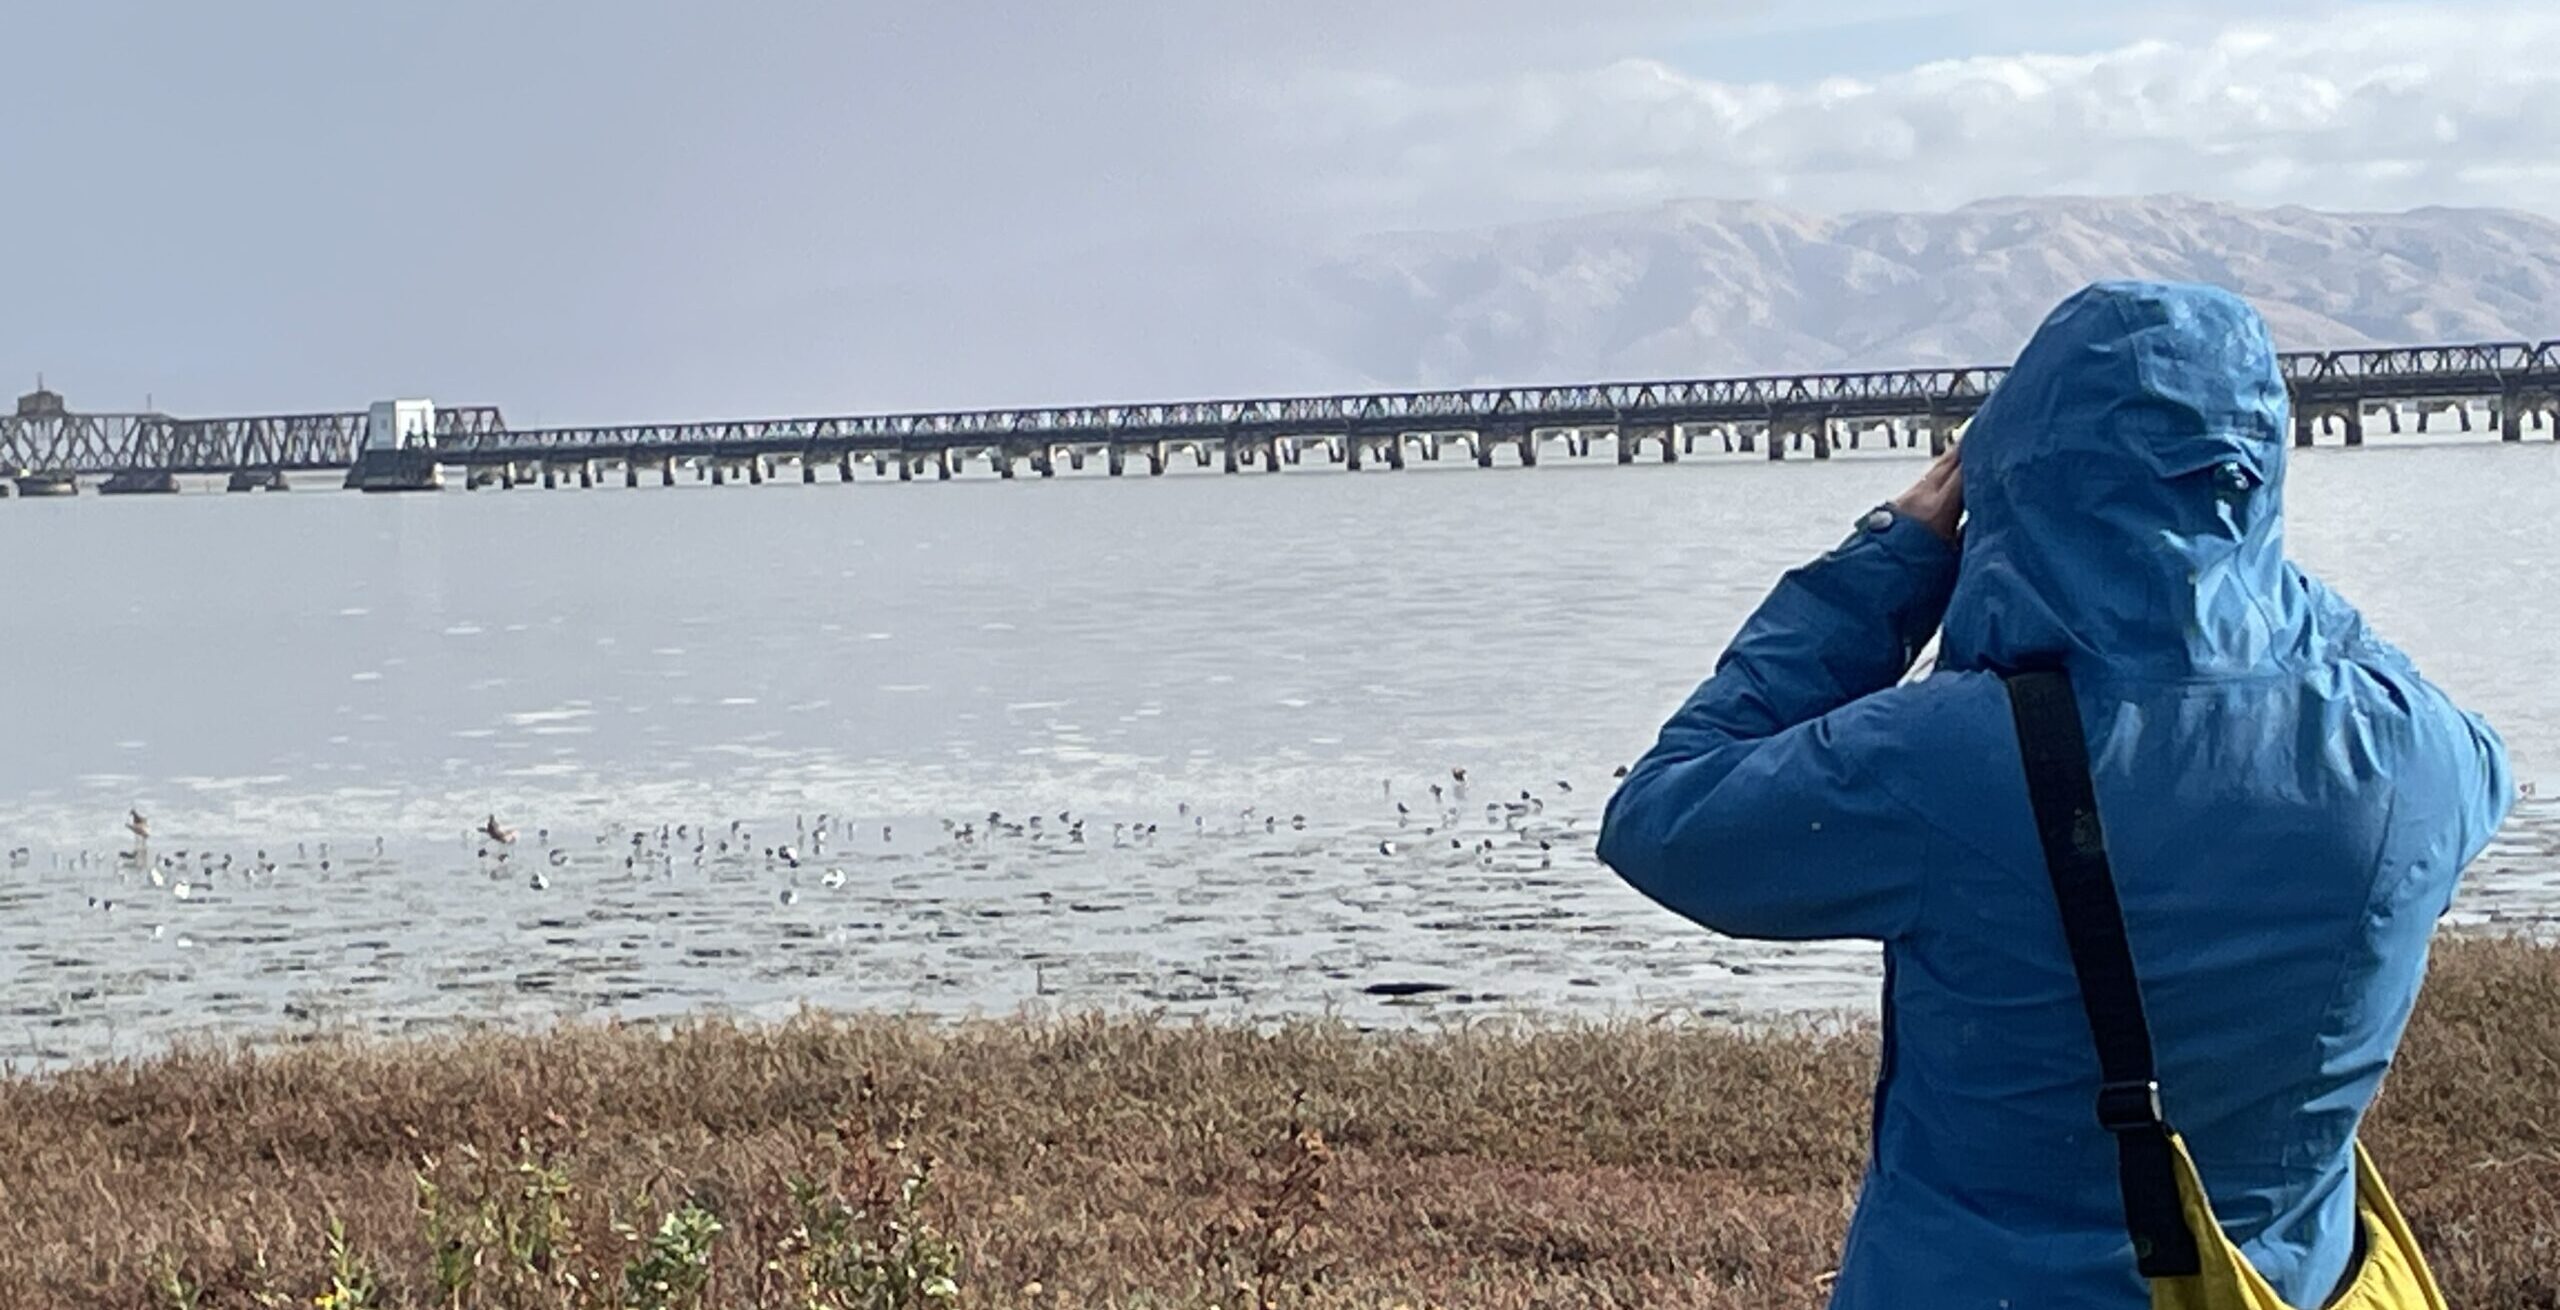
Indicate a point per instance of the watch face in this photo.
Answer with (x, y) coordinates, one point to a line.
(1877, 520)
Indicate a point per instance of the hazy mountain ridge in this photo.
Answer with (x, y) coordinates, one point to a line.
(1717, 287)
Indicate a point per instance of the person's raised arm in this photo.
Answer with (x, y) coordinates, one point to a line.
(1724, 820)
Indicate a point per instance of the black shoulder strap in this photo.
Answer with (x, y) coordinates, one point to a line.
(2075, 854)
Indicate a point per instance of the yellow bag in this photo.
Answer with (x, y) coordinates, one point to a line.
(2177, 1242)
(2390, 1275)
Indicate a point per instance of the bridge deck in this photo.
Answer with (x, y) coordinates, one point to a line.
(2515, 377)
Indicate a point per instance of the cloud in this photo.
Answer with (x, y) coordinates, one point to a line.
(2363, 108)
(625, 209)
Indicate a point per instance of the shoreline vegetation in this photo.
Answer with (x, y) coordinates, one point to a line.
(1088, 1162)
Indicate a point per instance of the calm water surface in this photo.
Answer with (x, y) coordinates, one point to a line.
(1233, 682)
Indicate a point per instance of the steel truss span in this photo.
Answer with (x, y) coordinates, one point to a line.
(2332, 390)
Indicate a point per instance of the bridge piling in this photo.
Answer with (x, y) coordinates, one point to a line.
(140, 482)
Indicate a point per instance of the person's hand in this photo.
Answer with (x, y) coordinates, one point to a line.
(1937, 499)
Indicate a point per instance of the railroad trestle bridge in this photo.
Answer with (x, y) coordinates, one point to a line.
(2512, 387)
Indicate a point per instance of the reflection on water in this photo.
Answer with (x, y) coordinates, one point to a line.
(315, 697)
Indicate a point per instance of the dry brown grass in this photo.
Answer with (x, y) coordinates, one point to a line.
(1132, 1163)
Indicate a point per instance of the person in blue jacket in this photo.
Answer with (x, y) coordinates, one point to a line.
(2287, 804)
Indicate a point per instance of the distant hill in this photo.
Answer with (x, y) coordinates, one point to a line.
(1713, 287)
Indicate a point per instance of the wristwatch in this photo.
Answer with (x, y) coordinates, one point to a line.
(1874, 523)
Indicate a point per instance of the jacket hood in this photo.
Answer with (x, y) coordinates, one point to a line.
(2124, 493)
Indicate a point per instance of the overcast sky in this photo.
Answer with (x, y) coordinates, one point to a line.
(592, 210)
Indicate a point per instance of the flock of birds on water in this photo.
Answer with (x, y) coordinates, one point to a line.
(1515, 825)
(1515, 830)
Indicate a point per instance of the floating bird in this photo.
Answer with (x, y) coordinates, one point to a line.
(791, 896)
(1458, 776)
(139, 826)
(1622, 772)
(834, 878)
(539, 881)
(498, 832)
(1563, 786)
(558, 857)
(1386, 848)
(183, 891)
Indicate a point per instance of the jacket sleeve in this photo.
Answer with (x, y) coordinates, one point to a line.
(2462, 780)
(1755, 813)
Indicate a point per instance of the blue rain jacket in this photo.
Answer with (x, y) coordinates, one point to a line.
(2286, 801)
